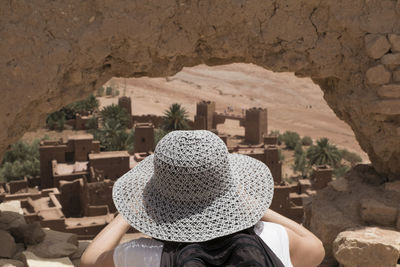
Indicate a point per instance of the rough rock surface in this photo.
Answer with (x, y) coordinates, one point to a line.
(55, 245)
(53, 53)
(8, 247)
(367, 247)
(336, 209)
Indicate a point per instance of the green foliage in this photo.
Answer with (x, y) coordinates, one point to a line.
(100, 91)
(92, 123)
(109, 90)
(158, 135)
(281, 156)
(175, 118)
(88, 105)
(306, 141)
(300, 162)
(115, 116)
(351, 157)
(21, 160)
(114, 137)
(324, 153)
(340, 170)
(56, 121)
(291, 139)
(278, 134)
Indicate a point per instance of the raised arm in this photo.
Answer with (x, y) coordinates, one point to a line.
(306, 250)
(100, 251)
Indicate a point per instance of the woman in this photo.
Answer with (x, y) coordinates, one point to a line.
(192, 191)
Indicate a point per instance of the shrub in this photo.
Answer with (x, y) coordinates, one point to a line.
(158, 135)
(92, 123)
(100, 91)
(109, 90)
(306, 141)
(301, 164)
(22, 160)
(56, 121)
(340, 170)
(277, 133)
(290, 139)
(351, 157)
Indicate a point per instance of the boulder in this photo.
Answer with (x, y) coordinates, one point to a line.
(375, 212)
(396, 75)
(367, 247)
(29, 234)
(55, 245)
(35, 261)
(11, 263)
(10, 219)
(377, 45)
(8, 247)
(378, 75)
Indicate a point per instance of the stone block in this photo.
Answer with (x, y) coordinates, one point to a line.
(367, 247)
(396, 75)
(375, 212)
(11, 263)
(8, 247)
(378, 75)
(394, 40)
(389, 91)
(391, 59)
(56, 245)
(386, 107)
(35, 261)
(376, 45)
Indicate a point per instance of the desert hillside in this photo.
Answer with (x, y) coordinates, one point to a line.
(293, 103)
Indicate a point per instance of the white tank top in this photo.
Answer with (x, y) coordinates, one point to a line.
(145, 252)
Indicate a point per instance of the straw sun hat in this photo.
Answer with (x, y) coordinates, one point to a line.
(192, 189)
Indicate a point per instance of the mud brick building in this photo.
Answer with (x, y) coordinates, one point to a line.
(126, 103)
(144, 137)
(255, 121)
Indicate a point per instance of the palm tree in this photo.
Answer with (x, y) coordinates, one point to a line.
(175, 118)
(324, 153)
(115, 115)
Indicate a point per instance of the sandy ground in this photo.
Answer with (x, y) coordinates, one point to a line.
(293, 103)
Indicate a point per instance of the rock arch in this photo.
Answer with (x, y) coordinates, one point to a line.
(54, 52)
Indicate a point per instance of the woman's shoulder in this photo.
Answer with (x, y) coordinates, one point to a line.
(141, 252)
(276, 237)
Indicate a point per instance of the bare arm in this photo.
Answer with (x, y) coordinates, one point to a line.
(100, 251)
(306, 250)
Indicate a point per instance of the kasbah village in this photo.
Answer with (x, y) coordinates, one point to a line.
(310, 88)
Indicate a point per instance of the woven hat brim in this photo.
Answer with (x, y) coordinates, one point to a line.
(239, 207)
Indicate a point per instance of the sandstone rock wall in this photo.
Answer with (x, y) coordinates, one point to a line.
(55, 52)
